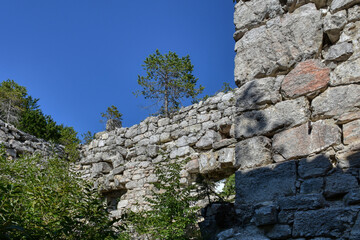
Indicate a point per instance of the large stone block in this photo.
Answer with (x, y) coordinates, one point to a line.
(253, 152)
(264, 122)
(339, 183)
(351, 33)
(258, 93)
(307, 77)
(253, 13)
(302, 202)
(346, 73)
(266, 183)
(276, 46)
(305, 139)
(336, 101)
(314, 166)
(331, 222)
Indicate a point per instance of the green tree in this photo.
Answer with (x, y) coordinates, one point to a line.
(44, 199)
(173, 215)
(71, 142)
(112, 113)
(12, 99)
(168, 80)
(113, 118)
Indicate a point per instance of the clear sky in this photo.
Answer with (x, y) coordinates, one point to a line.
(81, 56)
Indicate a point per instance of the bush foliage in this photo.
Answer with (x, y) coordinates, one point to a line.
(44, 199)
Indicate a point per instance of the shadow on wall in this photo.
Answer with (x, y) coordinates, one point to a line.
(302, 198)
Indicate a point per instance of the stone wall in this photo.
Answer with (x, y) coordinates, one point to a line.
(297, 122)
(17, 143)
(122, 161)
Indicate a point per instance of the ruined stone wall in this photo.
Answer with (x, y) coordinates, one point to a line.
(297, 122)
(17, 143)
(291, 130)
(122, 161)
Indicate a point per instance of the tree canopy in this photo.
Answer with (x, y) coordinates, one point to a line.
(168, 80)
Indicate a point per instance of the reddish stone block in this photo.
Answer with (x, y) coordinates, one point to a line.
(306, 78)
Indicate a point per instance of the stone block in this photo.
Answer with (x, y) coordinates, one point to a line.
(279, 232)
(226, 157)
(253, 152)
(351, 132)
(265, 215)
(208, 140)
(258, 93)
(337, 5)
(101, 167)
(270, 120)
(349, 157)
(333, 24)
(302, 202)
(314, 166)
(339, 52)
(192, 166)
(354, 14)
(306, 139)
(351, 33)
(252, 14)
(266, 183)
(339, 183)
(306, 78)
(276, 46)
(331, 222)
(346, 73)
(313, 185)
(352, 198)
(208, 162)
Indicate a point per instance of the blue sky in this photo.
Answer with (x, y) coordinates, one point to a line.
(81, 56)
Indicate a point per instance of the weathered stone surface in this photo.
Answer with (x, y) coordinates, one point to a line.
(282, 115)
(313, 185)
(208, 162)
(354, 14)
(101, 167)
(266, 183)
(227, 157)
(330, 222)
(353, 197)
(192, 166)
(304, 140)
(112, 124)
(339, 52)
(348, 117)
(302, 202)
(337, 5)
(314, 166)
(349, 156)
(351, 33)
(351, 132)
(277, 46)
(258, 93)
(253, 152)
(253, 13)
(307, 77)
(279, 232)
(346, 73)
(265, 215)
(339, 183)
(333, 24)
(208, 139)
(336, 101)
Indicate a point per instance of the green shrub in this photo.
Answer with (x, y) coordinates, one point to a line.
(173, 214)
(44, 199)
